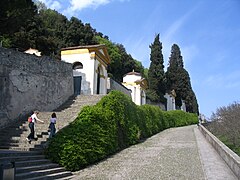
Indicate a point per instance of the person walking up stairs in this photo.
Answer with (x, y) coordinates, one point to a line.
(30, 162)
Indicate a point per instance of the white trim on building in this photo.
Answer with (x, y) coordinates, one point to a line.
(137, 85)
(94, 60)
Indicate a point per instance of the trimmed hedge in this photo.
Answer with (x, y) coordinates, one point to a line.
(110, 126)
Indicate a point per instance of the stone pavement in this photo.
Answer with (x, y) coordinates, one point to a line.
(213, 165)
(177, 154)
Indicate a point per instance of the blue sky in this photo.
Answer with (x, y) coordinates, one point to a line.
(207, 32)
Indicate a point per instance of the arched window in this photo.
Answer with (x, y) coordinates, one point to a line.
(77, 65)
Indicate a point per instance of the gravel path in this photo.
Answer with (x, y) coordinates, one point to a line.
(172, 154)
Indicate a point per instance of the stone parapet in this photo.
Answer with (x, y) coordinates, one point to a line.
(231, 158)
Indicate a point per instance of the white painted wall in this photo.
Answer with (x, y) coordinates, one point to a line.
(138, 97)
(88, 73)
(170, 102)
(103, 80)
(88, 69)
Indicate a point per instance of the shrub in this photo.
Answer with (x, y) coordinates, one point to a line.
(111, 125)
(179, 118)
(225, 124)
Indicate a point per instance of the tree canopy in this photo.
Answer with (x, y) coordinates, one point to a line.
(25, 25)
(178, 79)
(15, 15)
(121, 61)
(156, 75)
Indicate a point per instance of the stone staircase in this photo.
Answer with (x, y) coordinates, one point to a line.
(29, 160)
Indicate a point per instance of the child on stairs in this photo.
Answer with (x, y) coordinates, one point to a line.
(52, 127)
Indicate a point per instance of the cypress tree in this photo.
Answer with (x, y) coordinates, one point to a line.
(178, 79)
(156, 75)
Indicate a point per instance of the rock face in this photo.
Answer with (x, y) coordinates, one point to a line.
(28, 82)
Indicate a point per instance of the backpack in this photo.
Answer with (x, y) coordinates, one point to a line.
(30, 119)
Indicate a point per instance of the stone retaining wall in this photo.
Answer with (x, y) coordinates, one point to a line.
(231, 158)
(28, 82)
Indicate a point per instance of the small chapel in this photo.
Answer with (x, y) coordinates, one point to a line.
(138, 85)
(89, 64)
(90, 76)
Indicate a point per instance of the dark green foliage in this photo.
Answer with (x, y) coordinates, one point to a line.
(23, 26)
(176, 60)
(15, 14)
(15, 17)
(152, 95)
(156, 75)
(228, 142)
(78, 34)
(111, 125)
(179, 118)
(89, 138)
(51, 32)
(178, 79)
(121, 62)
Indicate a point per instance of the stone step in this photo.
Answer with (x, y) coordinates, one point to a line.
(32, 162)
(21, 148)
(22, 140)
(12, 133)
(29, 158)
(41, 172)
(61, 176)
(14, 129)
(15, 144)
(11, 153)
(21, 158)
(39, 130)
(37, 167)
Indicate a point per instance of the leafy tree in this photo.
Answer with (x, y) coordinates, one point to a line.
(28, 36)
(121, 61)
(15, 15)
(128, 63)
(114, 69)
(24, 25)
(178, 79)
(78, 34)
(89, 38)
(156, 76)
(225, 124)
(139, 67)
(40, 5)
(52, 30)
(145, 73)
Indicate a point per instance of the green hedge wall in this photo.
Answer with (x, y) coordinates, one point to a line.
(110, 126)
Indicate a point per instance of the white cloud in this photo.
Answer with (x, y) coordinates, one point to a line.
(52, 4)
(72, 6)
(77, 5)
(171, 31)
(55, 5)
(229, 81)
(170, 34)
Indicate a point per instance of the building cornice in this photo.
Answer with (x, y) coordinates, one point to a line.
(96, 51)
